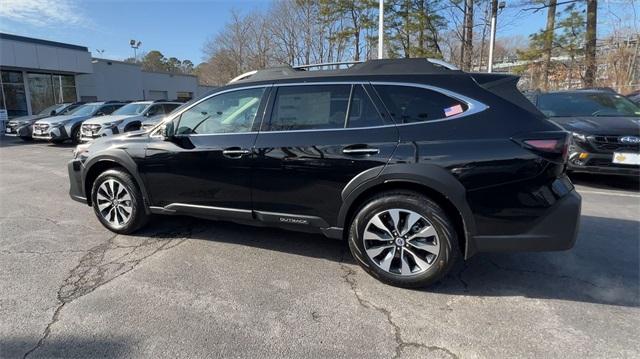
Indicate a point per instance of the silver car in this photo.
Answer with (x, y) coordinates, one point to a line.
(127, 118)
(22, 126)
(61, 128)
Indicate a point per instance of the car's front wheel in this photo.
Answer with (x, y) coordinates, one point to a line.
(117, 202)
(404, 239)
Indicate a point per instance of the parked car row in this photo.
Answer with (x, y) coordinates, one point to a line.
(83, 122)
(604, 127)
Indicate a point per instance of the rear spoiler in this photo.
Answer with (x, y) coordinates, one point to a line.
(505, 87)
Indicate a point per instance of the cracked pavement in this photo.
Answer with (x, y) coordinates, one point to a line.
(190, 288)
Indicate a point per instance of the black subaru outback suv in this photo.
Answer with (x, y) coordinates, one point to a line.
(414, 163)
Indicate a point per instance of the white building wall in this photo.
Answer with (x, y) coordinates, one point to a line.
(35, 56)
(157, 82)
(111, 80)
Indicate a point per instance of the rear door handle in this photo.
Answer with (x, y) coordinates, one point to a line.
(235, 152)
(361, 151)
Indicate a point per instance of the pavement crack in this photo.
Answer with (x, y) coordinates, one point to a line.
(107, 262)
(401, 344)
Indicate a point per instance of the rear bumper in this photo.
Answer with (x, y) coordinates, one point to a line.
(74, 167)
(556, 231)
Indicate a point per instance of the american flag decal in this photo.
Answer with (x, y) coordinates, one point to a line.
(453, 110)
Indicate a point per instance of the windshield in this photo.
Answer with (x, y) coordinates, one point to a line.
(84, 110)
(131, 109)
(590, 104)
(47, 111)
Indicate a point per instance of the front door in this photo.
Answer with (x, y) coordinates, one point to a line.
(317, 139)
(204, 168)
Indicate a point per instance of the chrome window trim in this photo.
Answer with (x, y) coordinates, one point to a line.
(473, 106)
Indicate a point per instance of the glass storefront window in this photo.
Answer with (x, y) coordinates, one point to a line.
(48, 89)
(13, 93)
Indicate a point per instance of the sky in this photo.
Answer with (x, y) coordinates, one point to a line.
(180, 28)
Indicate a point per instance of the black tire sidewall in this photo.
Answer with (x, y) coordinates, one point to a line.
(75, 135)
(421, 205)
(138, 215)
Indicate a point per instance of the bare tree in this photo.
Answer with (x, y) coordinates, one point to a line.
(548, 42)
(590, 44)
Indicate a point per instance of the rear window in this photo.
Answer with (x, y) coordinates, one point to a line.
(310, 107)
(408, 104)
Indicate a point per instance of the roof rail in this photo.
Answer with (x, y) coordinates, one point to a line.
(242, 76)
(443, 64)
(112, 101)
(327, 64)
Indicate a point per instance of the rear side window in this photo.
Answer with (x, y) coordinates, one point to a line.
(362, 112)
(310, 107)
(408, 104)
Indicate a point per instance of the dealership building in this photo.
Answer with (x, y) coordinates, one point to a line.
(39, 73)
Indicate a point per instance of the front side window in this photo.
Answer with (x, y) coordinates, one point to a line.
(155, 110)
(408, 104)
(229, 112)
(310, 107)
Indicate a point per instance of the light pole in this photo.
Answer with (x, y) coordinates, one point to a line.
(135, 45)
(492, 39)
(380, 29)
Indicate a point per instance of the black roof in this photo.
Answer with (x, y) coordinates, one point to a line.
(412, 66)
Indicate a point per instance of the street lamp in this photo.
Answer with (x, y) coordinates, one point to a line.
(135, 45)
(492, 40)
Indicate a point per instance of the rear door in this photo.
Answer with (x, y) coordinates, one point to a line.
(317, 138)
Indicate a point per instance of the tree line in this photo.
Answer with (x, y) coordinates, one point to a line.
(565, 53)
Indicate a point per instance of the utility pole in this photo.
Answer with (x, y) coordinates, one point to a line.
(381, 29)
(494, 23)
(590, 44)
(467, 61)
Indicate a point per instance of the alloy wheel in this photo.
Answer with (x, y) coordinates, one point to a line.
(401, 242)
(114, 203)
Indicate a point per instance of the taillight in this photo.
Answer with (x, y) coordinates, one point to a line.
(551, 145)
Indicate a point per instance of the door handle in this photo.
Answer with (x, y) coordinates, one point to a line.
(361, 151)
(235, 152)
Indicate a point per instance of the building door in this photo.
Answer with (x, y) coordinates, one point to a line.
(157, 95)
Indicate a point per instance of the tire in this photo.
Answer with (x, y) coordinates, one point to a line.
(414, 262)
(100, 195)
(75, 135)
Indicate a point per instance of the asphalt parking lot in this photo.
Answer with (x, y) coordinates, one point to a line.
(193, 288)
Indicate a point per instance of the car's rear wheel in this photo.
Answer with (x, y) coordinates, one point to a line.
(117, 202)
(404, 239)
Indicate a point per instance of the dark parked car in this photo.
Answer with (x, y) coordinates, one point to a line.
(605, 129)
(634, 97)
(22, 126)
(414, 163)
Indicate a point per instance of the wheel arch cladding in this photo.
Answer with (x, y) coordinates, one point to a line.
(118, 160)
(429, 180)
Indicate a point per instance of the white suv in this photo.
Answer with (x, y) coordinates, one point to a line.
(127, 118)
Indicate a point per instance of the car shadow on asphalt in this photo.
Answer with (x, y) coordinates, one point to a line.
(602, 268)
(66, 347)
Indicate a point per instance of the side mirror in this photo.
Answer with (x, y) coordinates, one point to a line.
(53, 113)
(166, 130)
(100, 113)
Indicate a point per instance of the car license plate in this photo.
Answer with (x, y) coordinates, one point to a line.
(626, 158)
(8, 130)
